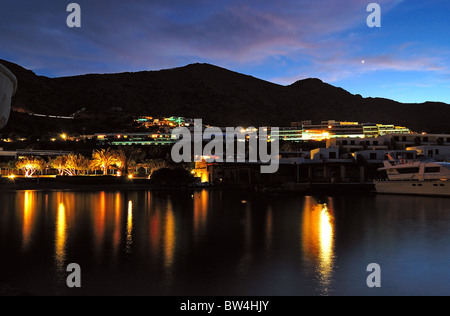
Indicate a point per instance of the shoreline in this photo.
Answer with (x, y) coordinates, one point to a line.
(108, 183)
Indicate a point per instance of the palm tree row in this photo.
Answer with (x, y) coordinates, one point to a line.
(105, 159)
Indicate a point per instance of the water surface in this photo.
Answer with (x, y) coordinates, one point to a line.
(223, 243)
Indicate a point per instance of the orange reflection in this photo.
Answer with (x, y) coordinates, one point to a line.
(169, 237)
(107, 209)
(201, 200)
(129, 227)
(60, 236)
(29, 204)
(116, 233)
(318, 239)
(155, 226)
(99, 210)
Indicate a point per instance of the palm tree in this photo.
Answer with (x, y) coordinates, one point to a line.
(104, 159)
(83, 165)
(59, 164)
(76, 165)
(126, 157)
(71, 165)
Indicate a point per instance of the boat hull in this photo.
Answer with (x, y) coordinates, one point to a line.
(428, 188)
(8, 86)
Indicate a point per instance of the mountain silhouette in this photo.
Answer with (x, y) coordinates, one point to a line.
(219, 96)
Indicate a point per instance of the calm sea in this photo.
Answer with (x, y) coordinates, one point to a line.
(223, 242)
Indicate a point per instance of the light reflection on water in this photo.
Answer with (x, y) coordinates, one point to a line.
(318, 240)
(129, 227)
(29, 201)
(210, 243)
(60, 238)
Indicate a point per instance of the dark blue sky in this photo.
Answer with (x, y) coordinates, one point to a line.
(282, 41)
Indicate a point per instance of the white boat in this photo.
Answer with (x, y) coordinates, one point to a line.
(8, 86)
(415, 178)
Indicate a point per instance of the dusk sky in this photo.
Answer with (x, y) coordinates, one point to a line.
(407, 59)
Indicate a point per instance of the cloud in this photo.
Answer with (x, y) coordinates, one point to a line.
(117, 35)
(295, 39)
